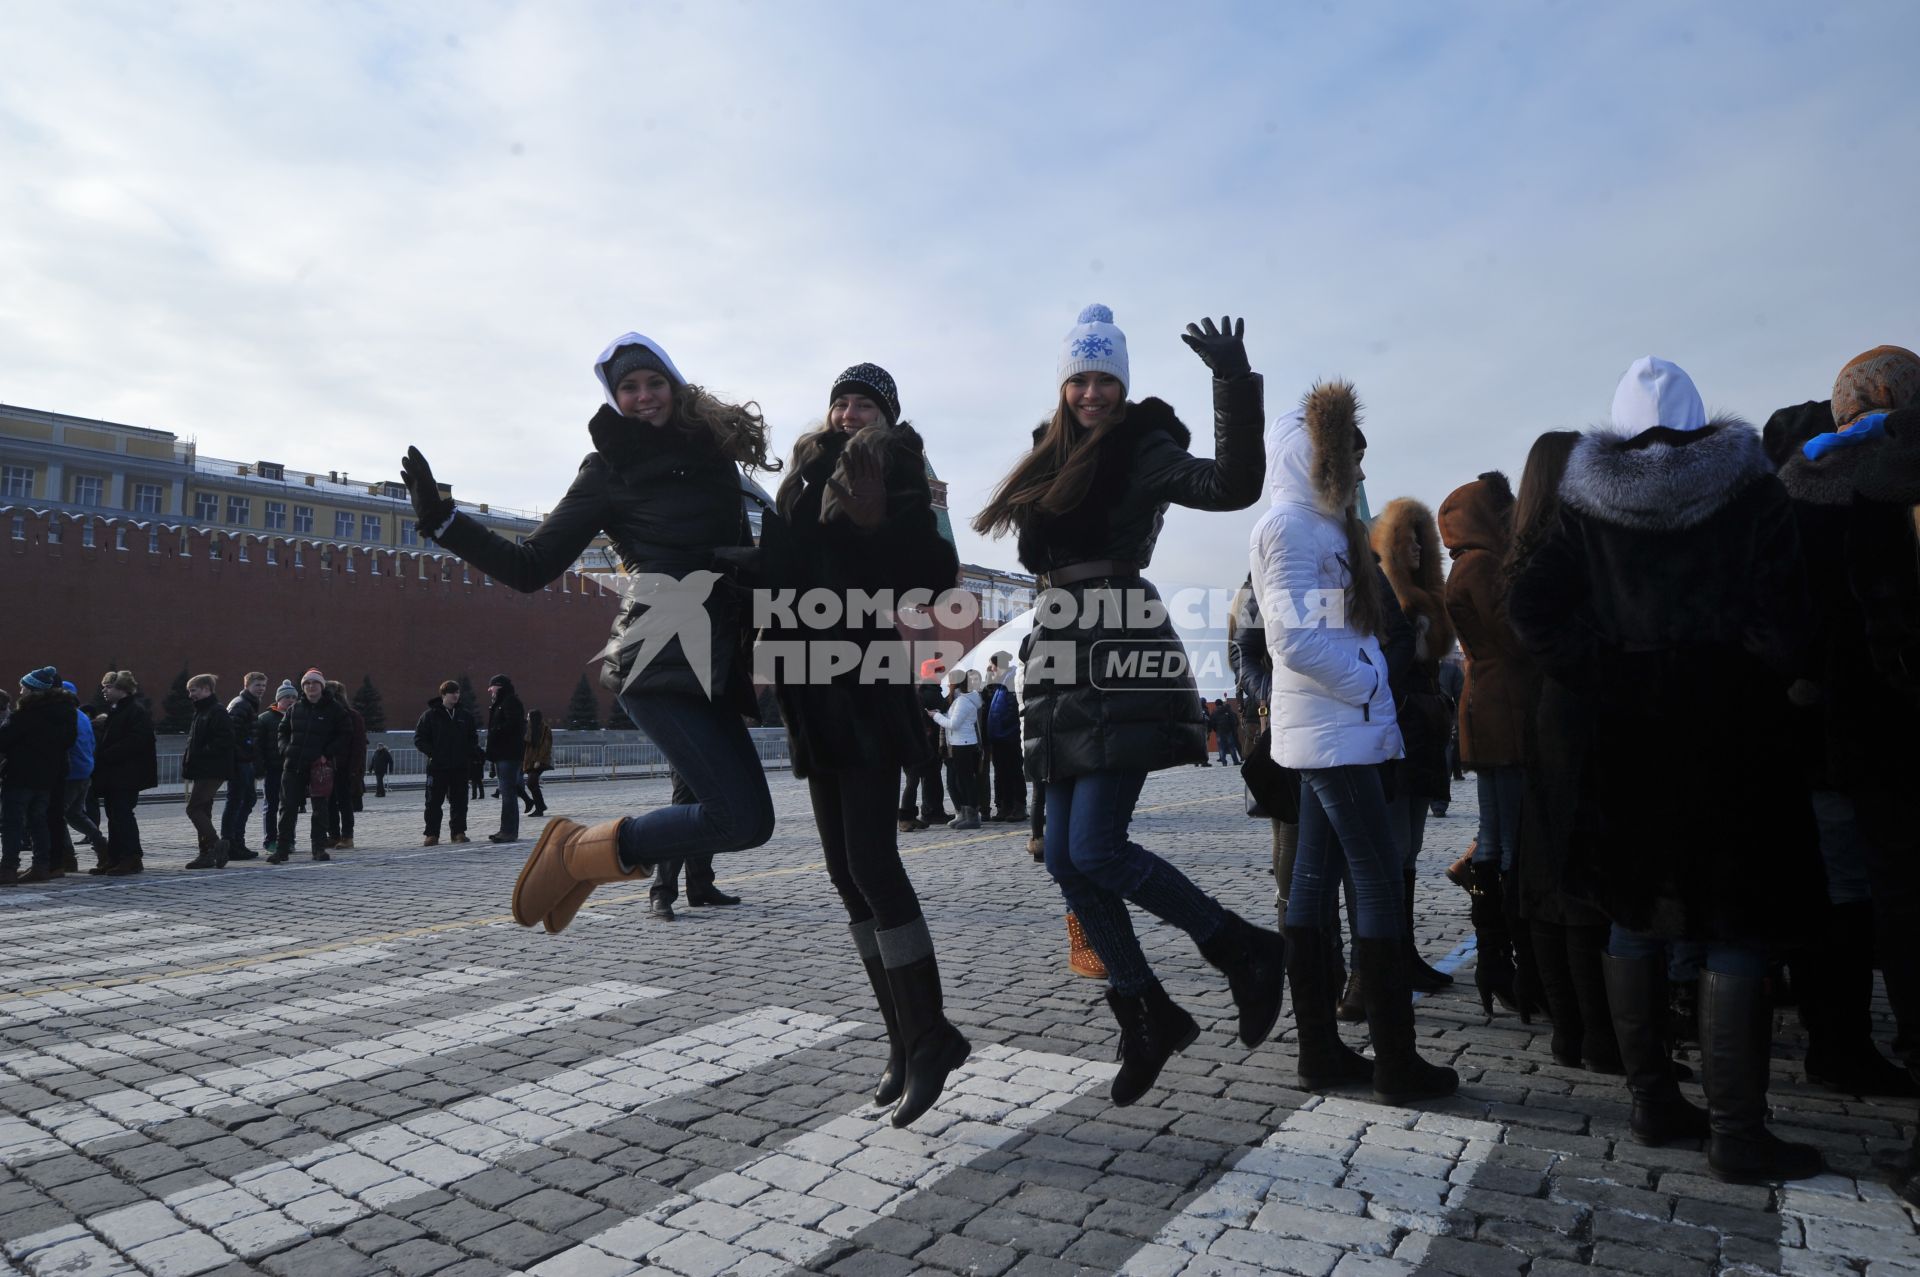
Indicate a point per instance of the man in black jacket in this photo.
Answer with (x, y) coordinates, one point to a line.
(449, 739)
(33, 762)
(244, 712)
(125, 762)
(506, 743)
(207, 765)
(316, 727)
(266, 737)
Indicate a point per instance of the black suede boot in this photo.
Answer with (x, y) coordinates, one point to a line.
(1152, 1028)
(894, 1080)
(1556, 983)
(1736, 1034)
(1527, 994)
(1325, 1061)
(1400, 1076)
(934, 1048)
(1493, 965)
(1586, 949)
(1636, 994)
(1254, 960)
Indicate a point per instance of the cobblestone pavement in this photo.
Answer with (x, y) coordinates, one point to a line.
(363, 1066)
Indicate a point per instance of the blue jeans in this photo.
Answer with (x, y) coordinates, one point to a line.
(1345, 808)
(1502, 791)
(508, 774)
(23, 824)
(708, 745)
(240, 800)
(1748, 961)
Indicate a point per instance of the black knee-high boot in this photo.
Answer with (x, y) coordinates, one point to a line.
(1736, 1031)
(1493, 963)
(934, 1048)
(1586, 949)
(1325, 1061)
(1836, 994)
(1637, 994)
(1400, 1076)
(1556, 982)
(894, 1079)
(1426, 977)
(1526, 970)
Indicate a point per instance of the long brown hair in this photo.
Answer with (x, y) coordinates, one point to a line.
(1054, 475)
(1538, 505)
(738, 431)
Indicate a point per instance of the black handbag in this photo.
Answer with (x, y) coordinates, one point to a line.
(1274, 787)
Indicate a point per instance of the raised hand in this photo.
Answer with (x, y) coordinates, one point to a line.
(1222, 348)
(857, 490)
(430, 509)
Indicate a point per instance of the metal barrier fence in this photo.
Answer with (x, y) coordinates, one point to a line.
(571, 761)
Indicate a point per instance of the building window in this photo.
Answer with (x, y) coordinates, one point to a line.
(343, 525)
(370, 527)
(273, 470)
(53, 530)
(299, 558)
(86, 489)
(409, 532)
(206, 506)
(239, 511)
(303, 518)
(273, 555)
(146, 498)
(86, 533)
(276, 512)
(153, 540)
(16, 482)
(19, 528)
(241, 552)
(119, 538)
(397, 491)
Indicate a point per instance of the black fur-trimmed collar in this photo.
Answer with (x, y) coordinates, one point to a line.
(1080, 533)
(1667, 484)
(1831, 480)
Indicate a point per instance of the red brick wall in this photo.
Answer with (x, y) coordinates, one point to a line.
(85, 609)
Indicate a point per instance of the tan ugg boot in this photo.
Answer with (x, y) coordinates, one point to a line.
(1081, 959)
(568, 862)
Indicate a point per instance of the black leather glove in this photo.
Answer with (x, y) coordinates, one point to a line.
(430, 508)
(1220, 348)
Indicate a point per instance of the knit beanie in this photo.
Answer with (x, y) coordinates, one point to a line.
(312, 676)
(628, 352)
(1093, 344)
(44, 679)
(1885, 378)
(1655, 392)
(873, 381)
(285, 690)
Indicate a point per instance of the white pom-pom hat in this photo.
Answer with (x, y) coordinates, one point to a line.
(1094, 344)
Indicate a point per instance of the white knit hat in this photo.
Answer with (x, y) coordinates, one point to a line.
(1093, 344)
(1657, 392)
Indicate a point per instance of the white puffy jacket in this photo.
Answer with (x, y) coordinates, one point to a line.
(1331, 705)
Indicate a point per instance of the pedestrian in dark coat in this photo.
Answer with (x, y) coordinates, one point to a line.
(380, 762)
(1568, 933)
(267, 737)
(350, 786)
(207, 764)
(72, 813)
(506, 747)
(449, 739)
(1857, 724)
(244, 711)
(1673, 591)
(1088, 501)
(663, 483)
(856, 514)
(923, 778)
(316, 729)
(33, 763)
(126, 762)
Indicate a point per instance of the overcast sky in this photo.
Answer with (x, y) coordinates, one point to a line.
(318, 233)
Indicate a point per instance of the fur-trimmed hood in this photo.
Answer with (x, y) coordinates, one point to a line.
(1313, 451)
(1420, 591)
(1478, 515)
(1829, 479)
(1662, 480)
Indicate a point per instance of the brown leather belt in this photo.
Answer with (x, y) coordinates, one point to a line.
(1074, 573)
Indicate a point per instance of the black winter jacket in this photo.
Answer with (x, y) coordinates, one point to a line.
(850, 723)
(1076, 719)
(313, 730)
(124, 754)
(449, 739)
(34, 742)
(266, 738)
(667, 501)
(244, 712)
(210, 745)
(506, 728)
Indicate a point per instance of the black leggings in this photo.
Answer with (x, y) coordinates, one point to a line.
(855, 814)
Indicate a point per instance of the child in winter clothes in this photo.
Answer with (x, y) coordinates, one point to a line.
(33, 763)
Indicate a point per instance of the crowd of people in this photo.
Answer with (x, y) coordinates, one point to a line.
(69, 769)
(1680, 662)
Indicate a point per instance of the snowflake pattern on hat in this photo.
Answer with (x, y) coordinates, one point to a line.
(1092, 347)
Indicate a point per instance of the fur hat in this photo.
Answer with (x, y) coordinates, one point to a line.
(44, 679)
(873, 381)
(1093, 344)
(1882, 379)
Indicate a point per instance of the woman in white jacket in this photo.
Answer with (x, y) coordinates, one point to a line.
(1332, 720)
(962, 723)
